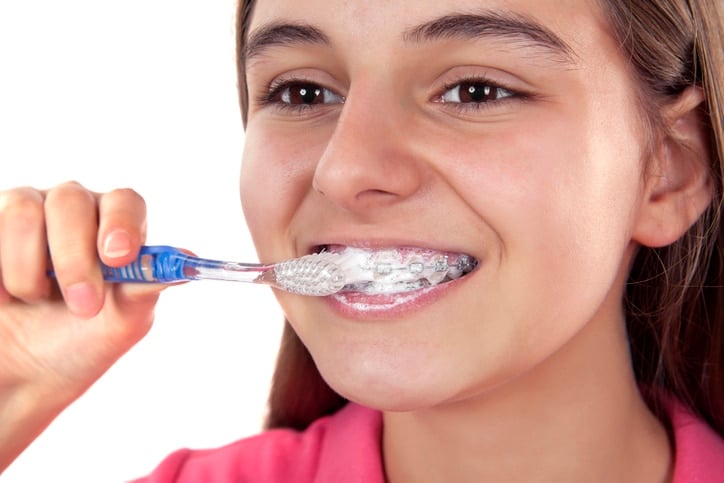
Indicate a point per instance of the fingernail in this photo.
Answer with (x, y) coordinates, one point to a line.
(117, 244)
(81, 299)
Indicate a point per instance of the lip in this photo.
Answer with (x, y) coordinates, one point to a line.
(359, 306)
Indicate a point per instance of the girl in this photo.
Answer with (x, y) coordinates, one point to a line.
(572, 149)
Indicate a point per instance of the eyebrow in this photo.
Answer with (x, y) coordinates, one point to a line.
(490, 24)
(281, 34)
(486, 24)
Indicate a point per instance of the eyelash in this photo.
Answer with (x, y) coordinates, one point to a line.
(510, 95)
(276, 89)
(269, 98)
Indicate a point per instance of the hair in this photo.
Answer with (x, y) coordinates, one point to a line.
(674, 298)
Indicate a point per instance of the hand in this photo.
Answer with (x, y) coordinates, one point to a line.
(59, 336)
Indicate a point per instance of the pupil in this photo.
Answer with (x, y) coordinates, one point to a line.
(308, 94)
(476, 92)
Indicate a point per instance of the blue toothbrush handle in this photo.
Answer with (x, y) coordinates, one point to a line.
(154, 264)
(166, 264)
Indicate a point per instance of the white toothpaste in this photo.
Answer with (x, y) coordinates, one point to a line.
(398, 270)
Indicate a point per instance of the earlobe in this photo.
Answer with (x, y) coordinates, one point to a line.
(677, 187)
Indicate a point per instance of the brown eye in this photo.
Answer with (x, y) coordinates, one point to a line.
(475, 92)
(304, 94)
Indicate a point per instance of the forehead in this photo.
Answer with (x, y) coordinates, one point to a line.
(577, 24)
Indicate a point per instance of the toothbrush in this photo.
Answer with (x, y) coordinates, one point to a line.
(318, 274)
(315, 274)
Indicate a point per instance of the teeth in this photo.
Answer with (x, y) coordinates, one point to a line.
(399, 270)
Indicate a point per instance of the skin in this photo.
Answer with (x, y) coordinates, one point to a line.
(549, 192)
(42, 324)
(526, 359)
(349, 177)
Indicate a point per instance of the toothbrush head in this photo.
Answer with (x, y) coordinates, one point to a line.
(370, 272)
(317, 274)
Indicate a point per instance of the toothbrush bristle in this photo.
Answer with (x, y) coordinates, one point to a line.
(315, 275)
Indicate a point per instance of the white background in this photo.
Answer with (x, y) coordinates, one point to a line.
(142, 94)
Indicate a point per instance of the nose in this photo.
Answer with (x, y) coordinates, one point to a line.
(370, 160)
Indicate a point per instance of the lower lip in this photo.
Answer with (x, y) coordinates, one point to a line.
(361, 306)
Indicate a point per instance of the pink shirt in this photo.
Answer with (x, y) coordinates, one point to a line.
(345, 447)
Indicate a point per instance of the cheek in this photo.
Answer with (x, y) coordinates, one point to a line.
(275, 177)
(559, 204)
(553, 186)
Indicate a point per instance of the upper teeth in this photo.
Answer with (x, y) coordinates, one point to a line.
(398, 270)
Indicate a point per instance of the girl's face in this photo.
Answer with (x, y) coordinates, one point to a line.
(503, 129)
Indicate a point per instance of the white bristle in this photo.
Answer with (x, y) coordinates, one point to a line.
(316, 275)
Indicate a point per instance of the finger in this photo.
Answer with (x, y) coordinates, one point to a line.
(134, 305)
(23, 248)
(71, 217)
(122, 226)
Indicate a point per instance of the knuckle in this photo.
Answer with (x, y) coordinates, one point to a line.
(69, 193)
(71, 184)
(126, 193)
(23, 207)
(127, 197)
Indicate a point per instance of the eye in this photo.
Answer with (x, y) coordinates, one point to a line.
(301, 94)
(474, 92)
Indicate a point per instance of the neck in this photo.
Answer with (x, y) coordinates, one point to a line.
(578, 416)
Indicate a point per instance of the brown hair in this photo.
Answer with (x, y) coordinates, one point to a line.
(675, 297)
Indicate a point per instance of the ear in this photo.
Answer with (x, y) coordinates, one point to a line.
(677, 186)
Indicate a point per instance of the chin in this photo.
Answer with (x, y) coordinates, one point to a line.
(390, 386)
(391, 399)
